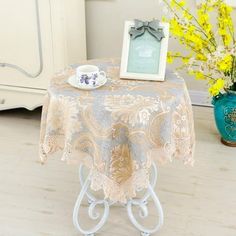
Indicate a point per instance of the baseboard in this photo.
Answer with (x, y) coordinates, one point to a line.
(200, 98)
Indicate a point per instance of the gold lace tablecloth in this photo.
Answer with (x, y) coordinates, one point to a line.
(118, 129)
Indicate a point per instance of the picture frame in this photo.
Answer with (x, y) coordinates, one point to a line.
(144, 58)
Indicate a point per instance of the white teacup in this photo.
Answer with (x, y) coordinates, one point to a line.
(89, 75)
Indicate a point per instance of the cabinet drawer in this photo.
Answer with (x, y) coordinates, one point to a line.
(11, 97)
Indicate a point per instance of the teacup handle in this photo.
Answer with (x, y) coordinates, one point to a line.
(102, 73)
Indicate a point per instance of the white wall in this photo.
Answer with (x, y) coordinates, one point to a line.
(105, 22)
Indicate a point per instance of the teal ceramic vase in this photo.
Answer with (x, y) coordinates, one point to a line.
(225, 116)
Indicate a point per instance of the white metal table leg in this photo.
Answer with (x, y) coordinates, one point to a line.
(91, 210)
(93, 201)
(90, 196)
(143, 208)
(153, 181)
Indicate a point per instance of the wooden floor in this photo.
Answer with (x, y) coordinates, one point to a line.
(37, 200)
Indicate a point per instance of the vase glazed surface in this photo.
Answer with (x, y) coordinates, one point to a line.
(225, 116)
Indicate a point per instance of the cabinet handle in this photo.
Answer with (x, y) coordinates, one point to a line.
(2, 101)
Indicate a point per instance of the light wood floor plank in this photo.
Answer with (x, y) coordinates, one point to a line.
(37, 200)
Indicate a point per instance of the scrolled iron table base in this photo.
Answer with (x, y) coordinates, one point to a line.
(93, 202)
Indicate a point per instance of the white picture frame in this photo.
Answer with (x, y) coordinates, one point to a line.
(160, 76)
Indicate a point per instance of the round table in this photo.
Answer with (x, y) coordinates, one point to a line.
(118, 131)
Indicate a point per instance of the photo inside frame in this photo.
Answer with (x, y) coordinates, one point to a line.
(144, 54)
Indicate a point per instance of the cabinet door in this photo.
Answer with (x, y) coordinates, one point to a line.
(26, 55)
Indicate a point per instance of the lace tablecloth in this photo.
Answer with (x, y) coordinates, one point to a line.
(118, 129)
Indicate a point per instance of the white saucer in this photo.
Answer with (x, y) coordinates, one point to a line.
(73, 82)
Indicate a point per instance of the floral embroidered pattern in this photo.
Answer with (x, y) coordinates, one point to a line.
(132, 109)
(121, 166)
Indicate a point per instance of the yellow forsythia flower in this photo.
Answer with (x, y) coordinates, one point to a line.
(215, 89)
(199, 75)
(176, 28)
(201, 57)
(170, 58)
(204, 19)
(182, 3)
(225, 64)
(185, 60)
(225, 22)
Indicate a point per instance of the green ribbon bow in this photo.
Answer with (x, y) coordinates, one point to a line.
(152, 27)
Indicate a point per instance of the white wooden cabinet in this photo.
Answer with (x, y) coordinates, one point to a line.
(37, 38)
